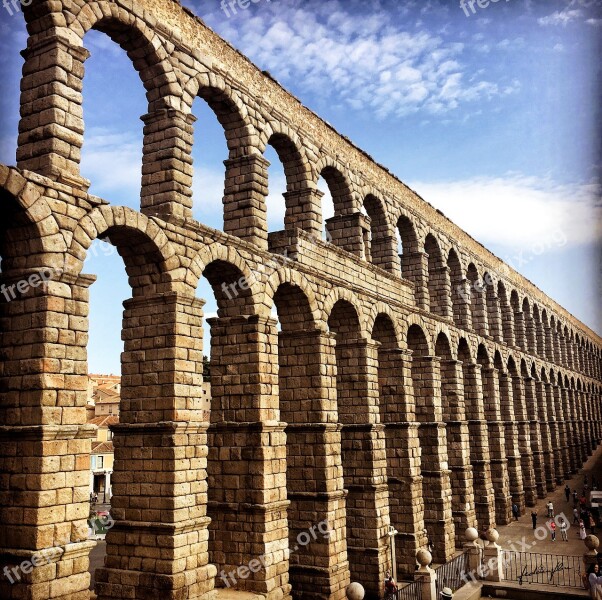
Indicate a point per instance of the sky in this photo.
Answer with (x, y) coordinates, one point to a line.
(492, 116)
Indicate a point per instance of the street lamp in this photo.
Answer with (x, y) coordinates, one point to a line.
(392, 533)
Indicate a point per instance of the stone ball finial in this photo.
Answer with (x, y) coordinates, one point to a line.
(492, 535)
(356, 591)
(424, 558)
(471, 534)
(592, 542)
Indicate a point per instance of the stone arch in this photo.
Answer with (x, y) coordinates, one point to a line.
(286, 276)
(28, 227)
(383, 311)
(460, 293)
(438, 284)
(235, 286)
(380, 247)
(493, 309)
(149, 257)
(339, 184)
(477, 301)
(229, 109)
(57, 155)
(343, 294)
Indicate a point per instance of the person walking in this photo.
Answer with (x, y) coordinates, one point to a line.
(575, 499)
(550, 509)
(582, 531)
(534, 519)
(575, 516)
(592, 524)
(515, 511)
(567, 492)
(552, 527)
(563, 530)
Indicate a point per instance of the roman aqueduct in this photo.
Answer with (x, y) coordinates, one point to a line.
(427, 389)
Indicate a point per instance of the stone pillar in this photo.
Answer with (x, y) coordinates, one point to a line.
(384, 254)
(458, 446)
(513, 454)
(530, 333)
(426, 576)
(479, 309)
(582, 420)
(493, 558)
(246, 189)
(520, 333)
(52, 127)
(347, 232)
(247, 458)
(314, 474)
(159, 478)
(304, 211)
(549, 344)
(406, 501)
(549, 435)
(44, 438)
(167, 164)
(497, 445)
(563, 352)
(364, 461)
(563, 430)
(524, 440)
(435, 471)
(531, 403)
(484, 492)
(589, 423)
(507, 316)
(495, 316)
(571, 431)
(440, 292)
(414, 268)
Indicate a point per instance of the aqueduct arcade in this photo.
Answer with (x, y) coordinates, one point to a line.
(411, 378)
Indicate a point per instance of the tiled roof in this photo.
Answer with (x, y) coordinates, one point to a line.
(104, 421)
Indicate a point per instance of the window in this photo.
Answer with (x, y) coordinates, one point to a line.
(93, 461)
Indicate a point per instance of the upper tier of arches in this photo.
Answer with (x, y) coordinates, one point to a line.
(377, 219)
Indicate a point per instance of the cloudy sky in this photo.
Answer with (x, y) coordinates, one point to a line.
(492, 117)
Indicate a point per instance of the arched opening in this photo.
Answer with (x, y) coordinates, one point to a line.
(363, 447)
(111, 154)
(456, 430)
(524, 435)
(529, 327)
(438, 279)
(380, 245)
(494, 314)
(496, 436)
(433, 443)
(410, 266)
(314, 481)
(460, 293)
(397, 413)
(519, 323)
(477, 301)
(339, 230)
(507, 315)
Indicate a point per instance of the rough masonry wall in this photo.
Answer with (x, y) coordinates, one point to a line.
(426, 391)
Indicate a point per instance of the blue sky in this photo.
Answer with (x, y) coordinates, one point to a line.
(492, 117)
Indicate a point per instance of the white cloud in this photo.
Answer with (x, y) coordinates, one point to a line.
(363, 60)
(594, 22)
(561, 17)
(519, 211)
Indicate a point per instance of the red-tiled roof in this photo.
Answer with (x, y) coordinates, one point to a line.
(104, 421)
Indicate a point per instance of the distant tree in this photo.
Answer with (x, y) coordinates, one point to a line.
(206, 368)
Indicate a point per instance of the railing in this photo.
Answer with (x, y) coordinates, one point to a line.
(412, 591)
(450, 574)
(547, 569)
